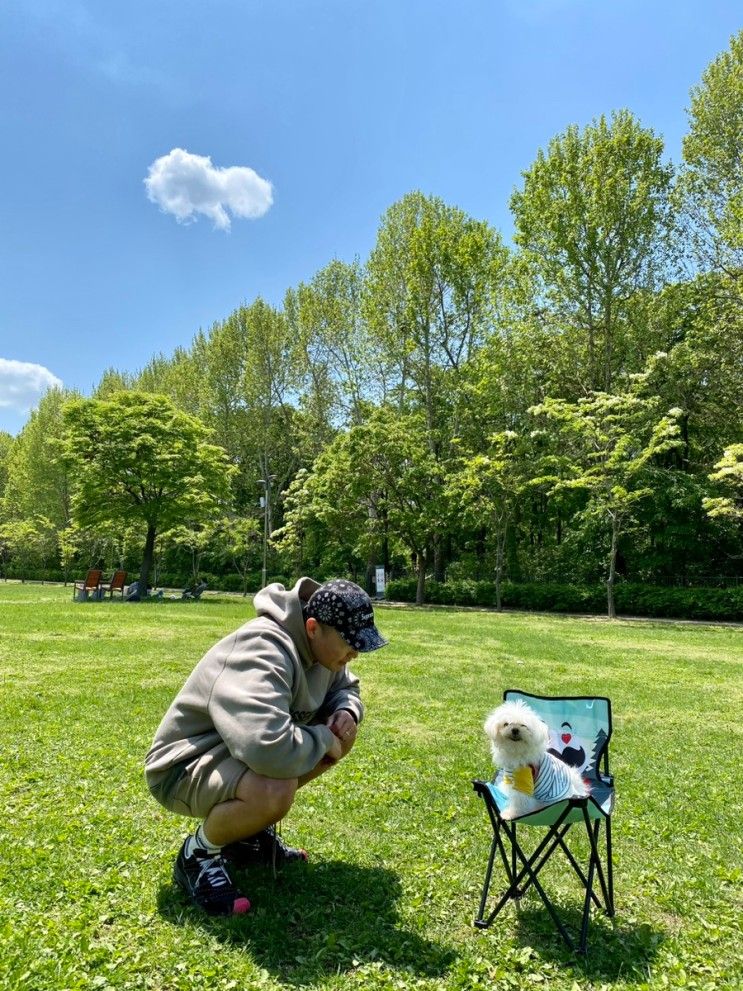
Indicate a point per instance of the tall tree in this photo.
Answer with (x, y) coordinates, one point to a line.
(608, 446)
(593, 221)
(402, 481)
(343, 369)
(37, 483)
(6, 443)
(711, 180)
(136, 458)
(428, 296)
(487, 488)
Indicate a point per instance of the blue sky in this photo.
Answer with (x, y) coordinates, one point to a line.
(299, 122)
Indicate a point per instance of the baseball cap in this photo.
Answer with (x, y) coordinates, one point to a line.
(348, 609)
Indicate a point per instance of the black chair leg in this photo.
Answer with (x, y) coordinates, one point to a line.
(488, 874)
(609, 870)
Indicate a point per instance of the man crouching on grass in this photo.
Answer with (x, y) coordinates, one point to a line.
(267, 709)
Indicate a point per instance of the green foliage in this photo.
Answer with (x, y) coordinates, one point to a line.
(710, 182)
(37, 483)
(729, 473)
(608, 446)
(593, 219)
(135, 458)
(28, 544)
(6, 443)
(341, 359)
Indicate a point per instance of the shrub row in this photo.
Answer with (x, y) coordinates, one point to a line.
(632, 599)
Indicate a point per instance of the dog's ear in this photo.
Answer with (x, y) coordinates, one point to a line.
(491, 724)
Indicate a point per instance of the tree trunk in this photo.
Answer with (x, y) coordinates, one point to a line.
(420, 592)
(612, 568)
(500, 545)
(147, 559)
(439, 559)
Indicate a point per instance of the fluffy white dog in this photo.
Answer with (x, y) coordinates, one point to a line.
(532, 778)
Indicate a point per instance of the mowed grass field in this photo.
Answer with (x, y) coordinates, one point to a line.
(397, 838)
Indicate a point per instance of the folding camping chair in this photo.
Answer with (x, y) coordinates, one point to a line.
(580, 730)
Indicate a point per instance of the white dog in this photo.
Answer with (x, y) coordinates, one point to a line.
(532, 778)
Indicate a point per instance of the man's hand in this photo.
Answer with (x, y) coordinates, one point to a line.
(343, 725)
(335, 753)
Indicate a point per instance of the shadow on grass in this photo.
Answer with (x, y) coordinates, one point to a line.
(614, 947)
(314, 920)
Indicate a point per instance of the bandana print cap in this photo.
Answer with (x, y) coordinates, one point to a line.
(348, 609)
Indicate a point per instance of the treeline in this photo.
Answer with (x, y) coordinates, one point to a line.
(566, 410)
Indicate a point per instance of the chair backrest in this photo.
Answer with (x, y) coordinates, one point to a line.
(93, 578)
(118, 580)
(580, 727)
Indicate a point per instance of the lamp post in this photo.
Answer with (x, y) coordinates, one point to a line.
(266, 503)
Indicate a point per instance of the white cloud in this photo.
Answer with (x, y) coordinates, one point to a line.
(23, 383)
(185, 185)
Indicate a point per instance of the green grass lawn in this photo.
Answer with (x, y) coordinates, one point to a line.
(397, 838)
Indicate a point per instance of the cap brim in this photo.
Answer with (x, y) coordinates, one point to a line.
(368, 639)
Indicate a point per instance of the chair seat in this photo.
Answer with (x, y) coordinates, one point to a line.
(600, 803)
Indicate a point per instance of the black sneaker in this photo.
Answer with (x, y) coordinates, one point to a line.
(206, 881)
(266, 848)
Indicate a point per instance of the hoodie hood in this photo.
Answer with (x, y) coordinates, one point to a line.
(286, 607)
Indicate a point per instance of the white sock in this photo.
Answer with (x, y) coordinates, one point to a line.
(199, 840)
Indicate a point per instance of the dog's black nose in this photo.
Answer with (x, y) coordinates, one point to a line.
(515, 734)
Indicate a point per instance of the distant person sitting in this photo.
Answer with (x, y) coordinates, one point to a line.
(194, 591)
(133, 594)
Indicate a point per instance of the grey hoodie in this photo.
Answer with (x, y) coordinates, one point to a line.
(260, 693)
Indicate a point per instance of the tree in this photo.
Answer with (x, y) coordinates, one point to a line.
(428, 295)
(136, 458)
(325, 528)
(401, 482)
(487, 490)
(194, 538)
(429, 298)
(593, 220)
(711, 181)
(38, 484)
(6, 443)
(607, 445)
(27, 544)
(240, 542)
(342, 369)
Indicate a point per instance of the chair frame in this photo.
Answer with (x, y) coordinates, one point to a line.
(89, 585)
(116, 584)
(522, 869)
